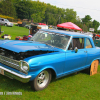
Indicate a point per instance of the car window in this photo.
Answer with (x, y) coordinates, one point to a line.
(52, 39)
(6, 20)
(88, 43)
(76, 42)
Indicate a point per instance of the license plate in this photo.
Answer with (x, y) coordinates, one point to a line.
(2, 71)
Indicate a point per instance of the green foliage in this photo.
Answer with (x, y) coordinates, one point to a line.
(41, 12)
(38, 11)
(23, 9)
(87, 23)
(7, 17)
(95, 25)
(7, 8)
(98, 31)
(84, 28)
(56, 15)
(70, 15)
(51, 15)
(86, 19)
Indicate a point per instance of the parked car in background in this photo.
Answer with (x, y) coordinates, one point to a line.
(89, 34)
(21, 24)
(34, 28)
(28, 26)
(49, 53)
(5, 22)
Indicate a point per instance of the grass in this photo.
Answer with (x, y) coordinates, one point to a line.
(79, 86)
(14, 31)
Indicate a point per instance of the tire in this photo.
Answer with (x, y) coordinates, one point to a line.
(41, 81)
(5, 24)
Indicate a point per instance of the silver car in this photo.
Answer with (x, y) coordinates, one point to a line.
(5, 22)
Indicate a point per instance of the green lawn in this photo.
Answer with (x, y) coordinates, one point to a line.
(79, 86)
(14, 31)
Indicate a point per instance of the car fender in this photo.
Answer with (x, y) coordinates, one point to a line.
(34, 75)
(94, 60)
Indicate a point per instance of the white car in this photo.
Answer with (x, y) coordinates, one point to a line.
(5, 22)
(89, 34)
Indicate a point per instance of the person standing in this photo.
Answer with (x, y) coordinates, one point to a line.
(94, 35)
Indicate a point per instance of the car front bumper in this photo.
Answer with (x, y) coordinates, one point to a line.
(14, 75)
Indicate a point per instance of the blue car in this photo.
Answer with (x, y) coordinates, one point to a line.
(48, 54)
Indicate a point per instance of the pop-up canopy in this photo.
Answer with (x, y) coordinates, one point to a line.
(69, 25)
(42, 24)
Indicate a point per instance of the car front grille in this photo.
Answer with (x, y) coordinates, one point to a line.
(9, 62)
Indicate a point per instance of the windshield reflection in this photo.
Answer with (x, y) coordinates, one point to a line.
(52, 39)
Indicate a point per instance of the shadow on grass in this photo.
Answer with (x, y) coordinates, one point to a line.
(7, 84)
(85, 71)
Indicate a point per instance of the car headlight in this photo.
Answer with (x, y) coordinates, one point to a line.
(24, 66)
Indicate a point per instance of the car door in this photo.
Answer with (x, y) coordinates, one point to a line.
(75, 61)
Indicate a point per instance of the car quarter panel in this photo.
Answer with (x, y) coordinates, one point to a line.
(93, 54)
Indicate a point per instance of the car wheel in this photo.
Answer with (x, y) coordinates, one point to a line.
(41, 81)
(5, 24)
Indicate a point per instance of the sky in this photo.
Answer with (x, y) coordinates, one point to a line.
(82, 7)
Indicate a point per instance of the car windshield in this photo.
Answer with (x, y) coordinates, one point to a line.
(52, 39)
(6, 20)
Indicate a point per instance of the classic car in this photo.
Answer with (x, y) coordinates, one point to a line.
(48, 54)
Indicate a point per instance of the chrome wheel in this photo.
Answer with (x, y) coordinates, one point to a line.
(43, 79)
(5, 24)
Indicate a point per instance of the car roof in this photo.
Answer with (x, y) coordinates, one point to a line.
(69, 33)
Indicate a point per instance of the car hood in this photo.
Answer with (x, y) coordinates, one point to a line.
(23, 46)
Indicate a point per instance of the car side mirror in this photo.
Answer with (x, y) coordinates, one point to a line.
(76, 49)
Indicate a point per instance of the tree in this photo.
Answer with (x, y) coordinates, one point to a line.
(96, 24)
(56, 15)
(79, 22)
(7, 8)
(70, 15)
(86, 19)
(23, 9)
(51, 15)
(38, 11)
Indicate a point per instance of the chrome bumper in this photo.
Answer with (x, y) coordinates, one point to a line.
(14, 75)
